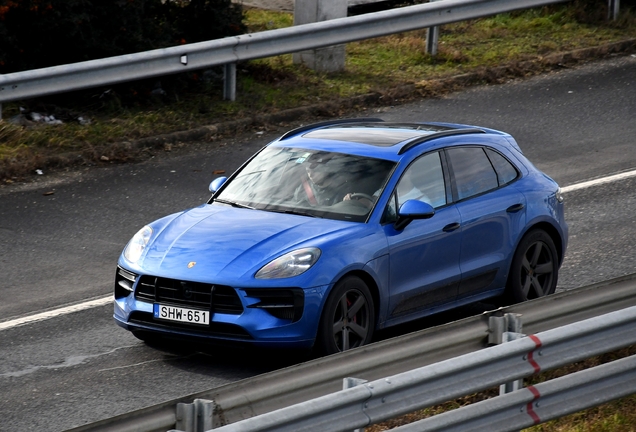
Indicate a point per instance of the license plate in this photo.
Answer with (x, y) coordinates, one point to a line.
(174, 313)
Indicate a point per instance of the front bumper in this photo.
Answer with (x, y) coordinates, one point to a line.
(256, 321)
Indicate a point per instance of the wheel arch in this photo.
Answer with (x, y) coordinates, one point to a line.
(373, 289)
(554, 234)
(321, 344)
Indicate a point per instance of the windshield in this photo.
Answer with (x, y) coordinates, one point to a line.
(309, 182)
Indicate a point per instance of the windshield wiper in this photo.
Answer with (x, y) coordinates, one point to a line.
(233, 204)
(292, 212)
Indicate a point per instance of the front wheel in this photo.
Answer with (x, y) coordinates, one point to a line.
(348, 318)
(534, 268)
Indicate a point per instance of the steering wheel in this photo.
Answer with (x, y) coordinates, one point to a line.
(361, 200)
(358, 195)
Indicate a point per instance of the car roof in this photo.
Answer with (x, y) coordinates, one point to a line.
(374, 137)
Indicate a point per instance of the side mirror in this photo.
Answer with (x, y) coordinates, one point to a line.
(217, 183)
(411, 210)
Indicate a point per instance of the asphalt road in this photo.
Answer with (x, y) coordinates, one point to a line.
(61, 234)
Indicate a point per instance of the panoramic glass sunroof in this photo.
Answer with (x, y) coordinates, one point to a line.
(382, 134)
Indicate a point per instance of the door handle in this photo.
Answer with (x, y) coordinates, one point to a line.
(451, 227)
(515, 208)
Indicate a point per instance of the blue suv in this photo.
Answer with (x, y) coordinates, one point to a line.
(338, 229)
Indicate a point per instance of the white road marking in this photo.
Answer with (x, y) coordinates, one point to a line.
(55, 313)
(599, 181)
(105, 300)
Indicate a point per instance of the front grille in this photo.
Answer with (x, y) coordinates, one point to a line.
(216, 298)
(215, 329)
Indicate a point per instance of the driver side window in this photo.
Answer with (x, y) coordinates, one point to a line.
(423, 180)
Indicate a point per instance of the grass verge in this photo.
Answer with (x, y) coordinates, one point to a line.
(489, 50)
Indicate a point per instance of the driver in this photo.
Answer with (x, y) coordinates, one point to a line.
(320, 186)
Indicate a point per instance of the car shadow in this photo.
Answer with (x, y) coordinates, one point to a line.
(435, 320)
(253, 361)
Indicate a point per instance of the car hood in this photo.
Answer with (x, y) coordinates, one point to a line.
(213, 240)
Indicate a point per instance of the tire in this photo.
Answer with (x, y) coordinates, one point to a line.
(348, 318)
(534, 269)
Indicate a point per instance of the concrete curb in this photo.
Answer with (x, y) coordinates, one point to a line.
(131, 150)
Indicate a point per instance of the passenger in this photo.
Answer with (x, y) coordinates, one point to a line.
(406, 189)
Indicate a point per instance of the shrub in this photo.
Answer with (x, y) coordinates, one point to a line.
(41, 33)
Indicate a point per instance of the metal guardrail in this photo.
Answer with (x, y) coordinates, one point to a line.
(228, 51)
(396, 395)
(540, 403)
(272, 391)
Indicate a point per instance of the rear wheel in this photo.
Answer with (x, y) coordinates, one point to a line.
(534, 268)
(348, 318)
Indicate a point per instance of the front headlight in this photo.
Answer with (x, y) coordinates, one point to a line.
(137, 244)
(290, 264)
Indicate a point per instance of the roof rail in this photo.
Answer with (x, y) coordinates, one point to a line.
(328, 123)
(422, 139)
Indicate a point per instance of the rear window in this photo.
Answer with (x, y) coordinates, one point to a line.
(506, 172)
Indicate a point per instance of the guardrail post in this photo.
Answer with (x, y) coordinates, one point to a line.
(229, 81)
(509, 387)
(612, 9)
(432, 38)
(352, 382)
(506, 329)
(498, 326)
(194, 417)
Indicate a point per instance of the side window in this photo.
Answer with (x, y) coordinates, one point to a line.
(506, 172)
(423, 180)
(472, 170)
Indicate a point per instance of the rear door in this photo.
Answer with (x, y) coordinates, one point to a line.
(492, 212)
